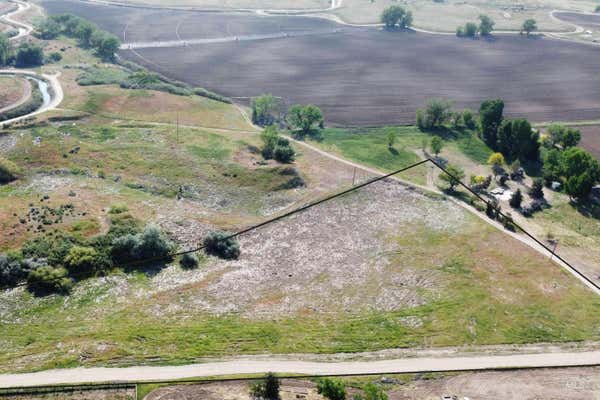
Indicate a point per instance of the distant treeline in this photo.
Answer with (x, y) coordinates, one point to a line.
(88, 35)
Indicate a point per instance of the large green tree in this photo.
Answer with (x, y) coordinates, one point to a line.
(486, 25)
(581, 172)
(29, 55)
(305, 118)
(490, 116)
(529, 26)
(517, 140)
(396, 16)
(265, 109)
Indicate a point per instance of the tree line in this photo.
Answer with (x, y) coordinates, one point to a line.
(516, 140)
(88, 35)
(23, 56)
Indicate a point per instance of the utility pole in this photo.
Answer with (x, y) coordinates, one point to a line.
(353, 176)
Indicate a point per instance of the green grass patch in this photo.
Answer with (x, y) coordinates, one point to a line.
(369, 146)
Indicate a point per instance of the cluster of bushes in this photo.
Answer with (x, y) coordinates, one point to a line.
(53, 262)
(275, 146)
(220, 244)
(470, 29)
(396, 17)
(26, 55)
(88, 35)
(266, 110)
(330, 388)
(514, 138)
(438, 112)
(576, 169)
(142, 79)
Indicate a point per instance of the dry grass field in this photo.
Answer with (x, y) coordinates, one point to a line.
(11, 90)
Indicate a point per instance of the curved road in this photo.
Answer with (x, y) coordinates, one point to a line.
(56, 96)
(246, 366)
(25, 29)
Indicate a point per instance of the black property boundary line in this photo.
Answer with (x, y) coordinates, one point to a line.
(88, 386)
(115, 385)
(572, 268)
(253, 227)
(531, 236)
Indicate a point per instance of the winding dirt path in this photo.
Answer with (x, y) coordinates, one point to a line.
(25, 29)
(57, 94)
(277, 365)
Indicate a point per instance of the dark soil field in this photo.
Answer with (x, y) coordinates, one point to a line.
(361, 76)
(590, 139)
(587, 21)
(145, 25)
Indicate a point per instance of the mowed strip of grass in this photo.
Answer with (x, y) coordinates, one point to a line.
(369, 146)
(495, 290)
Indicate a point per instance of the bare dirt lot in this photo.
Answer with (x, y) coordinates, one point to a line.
(99, 394)
(565, 384)
(364, 76)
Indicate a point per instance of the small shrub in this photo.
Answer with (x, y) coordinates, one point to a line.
(468, 119)
(150, 246)
(8, 171)
(218, 244)
(55, 57)
(118, 209)
(268, 389)
(83, 261)
(46, 280)
(12, 270)
(293, 183)
(188, 261)
(537, 189)
(284, 154)
(516, 199)
(333, 389)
